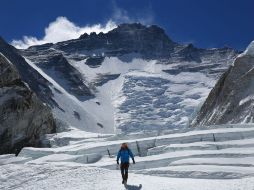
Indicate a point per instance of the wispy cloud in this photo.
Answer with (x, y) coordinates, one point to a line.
(63, 29)
(144, 15)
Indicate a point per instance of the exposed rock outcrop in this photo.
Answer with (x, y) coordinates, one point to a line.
(232, 98)
(36, 82)
(24, 119)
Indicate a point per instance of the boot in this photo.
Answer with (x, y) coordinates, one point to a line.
(125, 178)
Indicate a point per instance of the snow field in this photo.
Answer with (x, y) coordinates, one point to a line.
(199, 159)
(44, 177)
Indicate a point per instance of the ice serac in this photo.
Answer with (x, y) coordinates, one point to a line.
(232, 98)
(24, 119)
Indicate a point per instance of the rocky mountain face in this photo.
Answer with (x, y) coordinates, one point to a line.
(232, 98)
(133, 78)
(24, 119)
(29, 75)
(147, 42)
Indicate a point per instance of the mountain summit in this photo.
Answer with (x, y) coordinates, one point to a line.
(150, 41)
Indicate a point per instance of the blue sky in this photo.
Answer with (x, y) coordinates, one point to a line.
(206, 23)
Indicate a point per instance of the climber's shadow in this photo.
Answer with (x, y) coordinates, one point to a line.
(133, 187)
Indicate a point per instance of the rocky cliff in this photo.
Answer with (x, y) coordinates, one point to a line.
(24, 119)
(232, 98)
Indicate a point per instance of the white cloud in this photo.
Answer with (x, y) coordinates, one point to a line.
(63, 29)
(60, 30)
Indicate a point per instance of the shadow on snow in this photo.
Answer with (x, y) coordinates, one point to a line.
(133, 187)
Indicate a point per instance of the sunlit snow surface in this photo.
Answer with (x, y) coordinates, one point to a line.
(220, 157)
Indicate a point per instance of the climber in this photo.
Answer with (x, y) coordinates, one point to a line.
(124, 153)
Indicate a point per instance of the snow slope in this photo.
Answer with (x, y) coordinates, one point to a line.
(70, 105)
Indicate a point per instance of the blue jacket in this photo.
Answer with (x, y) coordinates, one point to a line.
(124, 154)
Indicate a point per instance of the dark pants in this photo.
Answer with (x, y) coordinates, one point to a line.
(124, 171)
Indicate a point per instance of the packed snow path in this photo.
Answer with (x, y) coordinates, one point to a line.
(30, 177)
(199, 159)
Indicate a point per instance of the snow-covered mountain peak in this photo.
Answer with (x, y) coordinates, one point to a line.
(133, 78)
(131, 29)
(148, 41)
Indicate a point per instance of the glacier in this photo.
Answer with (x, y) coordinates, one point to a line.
(200, 159)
